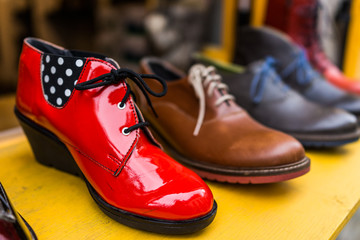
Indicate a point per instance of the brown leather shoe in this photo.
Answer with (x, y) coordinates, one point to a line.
(201, 126)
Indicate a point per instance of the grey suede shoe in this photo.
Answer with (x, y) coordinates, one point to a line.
(261, 91)
(292, 65)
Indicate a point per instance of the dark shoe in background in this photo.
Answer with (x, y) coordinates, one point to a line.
(12, 225)
(257, 43)
(299, 19)
(260, 91)
(201, 126)
(176, 29)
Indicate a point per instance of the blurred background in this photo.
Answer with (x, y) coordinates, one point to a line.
(128, 30)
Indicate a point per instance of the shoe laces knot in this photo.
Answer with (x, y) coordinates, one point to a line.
(264, 74)
(304, 71)
(115, 76)
(201, 77)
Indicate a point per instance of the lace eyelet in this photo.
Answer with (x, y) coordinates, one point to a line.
(124, 132)
(121, 107)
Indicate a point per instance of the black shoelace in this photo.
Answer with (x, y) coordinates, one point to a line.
(117, 75)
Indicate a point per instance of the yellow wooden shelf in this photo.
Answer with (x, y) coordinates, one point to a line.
(316, 206)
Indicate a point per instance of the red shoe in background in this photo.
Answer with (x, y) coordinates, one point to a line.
(298, 18)
(78, 114)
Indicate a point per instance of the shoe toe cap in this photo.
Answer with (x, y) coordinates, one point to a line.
(265, 148)
(182, 203)
(337, 121)
(352, 104)
(159, 187)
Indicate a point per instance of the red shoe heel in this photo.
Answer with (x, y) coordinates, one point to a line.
(47, 148)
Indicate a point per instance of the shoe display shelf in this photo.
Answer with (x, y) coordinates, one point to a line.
(315, 206)
(352, 54)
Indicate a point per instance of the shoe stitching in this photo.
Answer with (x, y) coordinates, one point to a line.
(78, 150)
(280, 169)
(122, 161)
(93, 160)
(115, 160)
(128, 153)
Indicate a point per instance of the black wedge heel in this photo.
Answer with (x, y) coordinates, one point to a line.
(47, 148)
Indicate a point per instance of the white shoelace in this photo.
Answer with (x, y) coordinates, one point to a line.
(201, 77)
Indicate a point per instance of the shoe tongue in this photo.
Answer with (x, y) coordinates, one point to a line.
(221, 92)
(266, 84)
(254, 67)
(265, 65)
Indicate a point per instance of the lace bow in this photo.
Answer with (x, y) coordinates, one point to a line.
(201, 77)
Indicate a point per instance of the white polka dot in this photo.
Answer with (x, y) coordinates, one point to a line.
(52, 89)
(60, 81)
(67, 92)
(53, 70)
(68, 72)
(58, 101)
(46, 97)
(42, 67)
(79, 63)
(46, 78)
(75, 82)
(60, 61)
(47, 59)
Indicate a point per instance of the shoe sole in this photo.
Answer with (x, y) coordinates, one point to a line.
(50, 151)
(244, 175)
(326, 141)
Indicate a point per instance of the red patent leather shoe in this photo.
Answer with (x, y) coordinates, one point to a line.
(79, 117)
(298, 18)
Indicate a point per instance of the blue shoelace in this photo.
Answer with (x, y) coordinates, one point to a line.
(304, 72)
(263, 75)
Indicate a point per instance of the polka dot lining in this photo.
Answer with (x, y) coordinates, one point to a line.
(59, 76)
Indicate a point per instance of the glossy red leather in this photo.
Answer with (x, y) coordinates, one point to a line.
(297, 18)
(336, 77)
(128, 172)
